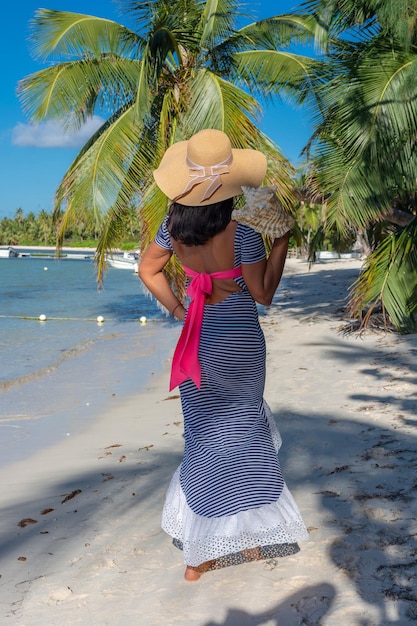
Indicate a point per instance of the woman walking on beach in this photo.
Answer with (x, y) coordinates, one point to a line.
(227, 502)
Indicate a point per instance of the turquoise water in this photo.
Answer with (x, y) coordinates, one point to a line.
(66, 292)
(53, 369)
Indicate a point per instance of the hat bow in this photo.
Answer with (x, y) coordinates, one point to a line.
(202, 173)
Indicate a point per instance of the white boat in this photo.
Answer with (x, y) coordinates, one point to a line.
(79, 257)
(330, 255)
(8, 253)
(125, 261)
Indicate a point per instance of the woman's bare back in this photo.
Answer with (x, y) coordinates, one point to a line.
(214, 256)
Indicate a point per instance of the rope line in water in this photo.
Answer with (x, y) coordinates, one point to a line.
(80, 319)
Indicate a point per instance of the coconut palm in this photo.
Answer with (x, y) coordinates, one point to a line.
(8, 232)
(363, 147)
(45, 226)
(186, 65)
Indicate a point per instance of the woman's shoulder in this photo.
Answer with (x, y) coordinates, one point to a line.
(244, 232)
(249, 244)
(162, 236)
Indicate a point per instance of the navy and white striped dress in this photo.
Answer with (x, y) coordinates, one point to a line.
(228, 495)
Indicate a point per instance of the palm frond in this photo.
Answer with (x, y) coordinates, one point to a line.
(273, 71)
(389, 278)
(365, 146)
(218, 20)
(181, 17)
(75, 35)
(145, 81)
(99, 176)
(384, 96)
(356, 16)
(71, 92)
(215, 101)
(278, 31)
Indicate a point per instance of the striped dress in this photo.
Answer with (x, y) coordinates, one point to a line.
(229, 495)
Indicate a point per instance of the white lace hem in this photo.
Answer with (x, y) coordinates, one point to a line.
(207, 538)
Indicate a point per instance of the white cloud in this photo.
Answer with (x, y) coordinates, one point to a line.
(52, 135)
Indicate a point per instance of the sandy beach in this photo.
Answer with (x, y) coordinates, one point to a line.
(80, 537)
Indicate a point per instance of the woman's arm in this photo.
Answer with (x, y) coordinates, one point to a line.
(262, 278)
(150, 272)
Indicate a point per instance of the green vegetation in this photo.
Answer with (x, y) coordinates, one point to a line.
(40, 230)
(190, 65)
(362, 155)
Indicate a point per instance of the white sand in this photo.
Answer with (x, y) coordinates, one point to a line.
(94, 553)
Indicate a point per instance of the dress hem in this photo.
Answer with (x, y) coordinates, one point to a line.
(203, 539)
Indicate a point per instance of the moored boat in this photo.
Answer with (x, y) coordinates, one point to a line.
(8, 253)
(125, 261)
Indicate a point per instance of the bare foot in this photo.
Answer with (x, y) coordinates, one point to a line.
(191, 574)
(194, 573)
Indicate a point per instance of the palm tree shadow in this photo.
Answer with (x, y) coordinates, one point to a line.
(307, 606)
(364, 476)
(301, 297)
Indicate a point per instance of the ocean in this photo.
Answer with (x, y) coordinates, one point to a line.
(59, 361)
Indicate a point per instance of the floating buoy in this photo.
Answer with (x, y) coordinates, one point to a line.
(42, 317)
(100, 319)
(142, 319)
(46, 269)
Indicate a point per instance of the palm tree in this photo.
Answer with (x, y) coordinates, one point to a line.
(45, 226)
(9, 232)
(19, 216)
(363, 148)
(32, 227)
(188, 65)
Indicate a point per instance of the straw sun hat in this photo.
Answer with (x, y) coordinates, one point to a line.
(206, 169)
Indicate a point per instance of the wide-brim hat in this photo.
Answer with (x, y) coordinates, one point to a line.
(206, 169)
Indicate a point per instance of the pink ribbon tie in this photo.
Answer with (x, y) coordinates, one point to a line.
(200, 174)
(185, 363)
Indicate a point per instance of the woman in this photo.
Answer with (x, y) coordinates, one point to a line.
(228, 501)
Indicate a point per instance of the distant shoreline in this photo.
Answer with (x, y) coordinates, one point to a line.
(53, 248)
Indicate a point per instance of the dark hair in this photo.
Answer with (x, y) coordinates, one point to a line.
(195, 225)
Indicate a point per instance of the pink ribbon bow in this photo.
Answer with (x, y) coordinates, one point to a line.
(185, 363)
(200, 174)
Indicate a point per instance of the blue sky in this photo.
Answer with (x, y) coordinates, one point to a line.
(34, 159)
